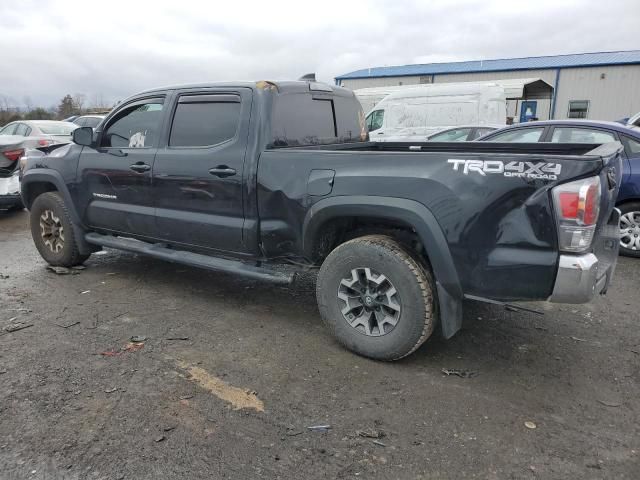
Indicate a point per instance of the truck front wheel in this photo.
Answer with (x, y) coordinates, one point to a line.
(377, 300)
(53, 231)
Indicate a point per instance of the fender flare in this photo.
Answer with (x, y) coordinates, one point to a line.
(414, 215)
(41, 175)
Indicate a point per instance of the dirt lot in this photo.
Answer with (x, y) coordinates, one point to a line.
(232, 372)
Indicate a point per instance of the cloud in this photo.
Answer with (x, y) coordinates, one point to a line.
(116, 48)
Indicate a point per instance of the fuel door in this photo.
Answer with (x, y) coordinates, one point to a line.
(320, 182)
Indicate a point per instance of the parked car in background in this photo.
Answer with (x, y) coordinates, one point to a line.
(412, 114)
(12, 147)
(461, 134)
(71, 118)
(46, 132)
(590, 131)
(88, 120)
(634, 121)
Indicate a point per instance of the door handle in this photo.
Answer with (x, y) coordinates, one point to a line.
(222, 171)
(140, 167)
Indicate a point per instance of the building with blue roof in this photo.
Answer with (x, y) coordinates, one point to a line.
(600, 85)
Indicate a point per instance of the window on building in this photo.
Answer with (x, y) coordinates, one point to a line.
(578, 108)
(426, 79)
(581, 135)
(205, 120)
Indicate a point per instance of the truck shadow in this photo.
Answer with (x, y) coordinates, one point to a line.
(491, 337)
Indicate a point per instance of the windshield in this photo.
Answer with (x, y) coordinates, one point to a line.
(56, 128)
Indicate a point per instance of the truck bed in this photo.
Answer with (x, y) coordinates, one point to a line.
(459, 147)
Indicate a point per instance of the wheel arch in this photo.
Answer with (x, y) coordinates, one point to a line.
(38, 181)
(411, 214)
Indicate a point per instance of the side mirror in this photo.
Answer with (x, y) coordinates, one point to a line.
(83, 136)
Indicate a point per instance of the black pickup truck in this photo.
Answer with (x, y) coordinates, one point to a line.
(239, 177)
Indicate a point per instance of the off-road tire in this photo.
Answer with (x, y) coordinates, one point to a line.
(413, 282)
(625, 209)
(68, 255)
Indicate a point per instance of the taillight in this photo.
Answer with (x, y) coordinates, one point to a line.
(44, 143)
(13, 155)
(577, 206)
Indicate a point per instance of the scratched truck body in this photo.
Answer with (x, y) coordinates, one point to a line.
(239, 177)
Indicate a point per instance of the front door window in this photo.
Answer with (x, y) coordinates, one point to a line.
(137, 126)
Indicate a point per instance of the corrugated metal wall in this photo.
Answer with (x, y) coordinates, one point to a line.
(355, 83)
(615, 96)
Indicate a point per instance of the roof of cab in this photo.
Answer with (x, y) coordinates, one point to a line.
(281, 86)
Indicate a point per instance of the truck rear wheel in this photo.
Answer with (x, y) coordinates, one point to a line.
(377, 300)
(53, 231)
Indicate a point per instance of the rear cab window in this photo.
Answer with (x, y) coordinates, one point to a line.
(307, 118)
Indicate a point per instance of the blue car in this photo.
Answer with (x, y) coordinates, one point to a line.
(587, 131)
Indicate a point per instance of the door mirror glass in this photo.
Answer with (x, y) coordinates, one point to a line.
(83, 136)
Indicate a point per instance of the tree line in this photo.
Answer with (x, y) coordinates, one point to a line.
(69, 105)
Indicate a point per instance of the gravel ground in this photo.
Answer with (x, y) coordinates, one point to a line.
(230, 373)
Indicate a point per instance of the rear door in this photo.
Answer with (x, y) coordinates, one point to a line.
(198, 174)
(115, 176)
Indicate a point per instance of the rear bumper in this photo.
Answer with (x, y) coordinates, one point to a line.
(581, 277)
(10, 191)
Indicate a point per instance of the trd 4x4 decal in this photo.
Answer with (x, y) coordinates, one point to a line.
(544, 170)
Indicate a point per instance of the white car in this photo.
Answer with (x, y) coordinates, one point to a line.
(46, 132)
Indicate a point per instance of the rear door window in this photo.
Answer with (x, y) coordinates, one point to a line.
(136, 126)
(205, 120)
(631, 146)
(21, 129)
(521, 135)
(456, 135)
(581, 135)
(480, 132)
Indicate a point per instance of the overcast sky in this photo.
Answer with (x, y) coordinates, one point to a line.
(115, 48)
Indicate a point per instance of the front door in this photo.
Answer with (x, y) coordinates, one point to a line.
(528, 110)
(198, 175)
(115, 176)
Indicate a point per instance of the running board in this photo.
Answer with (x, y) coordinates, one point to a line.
(161, 251)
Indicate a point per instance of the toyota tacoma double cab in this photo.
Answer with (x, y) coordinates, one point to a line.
(239, 177)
